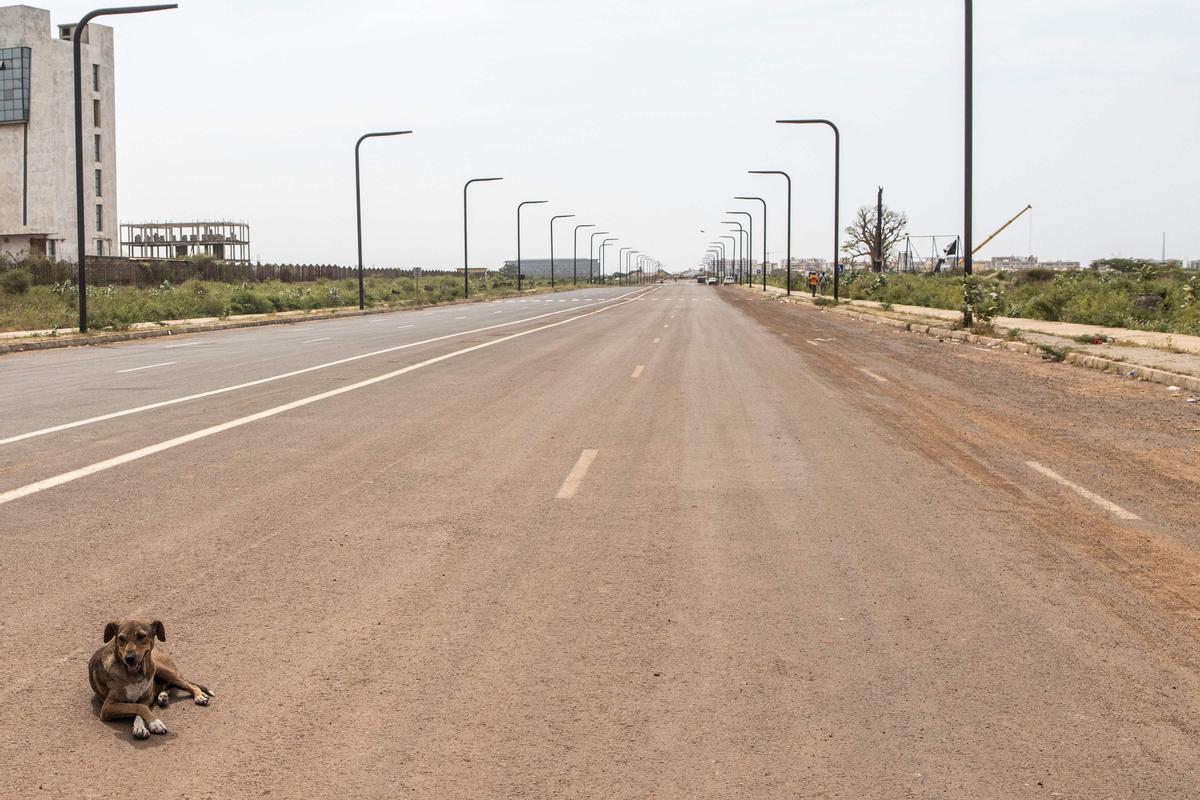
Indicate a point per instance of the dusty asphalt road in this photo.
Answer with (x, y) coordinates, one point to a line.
(809, 558)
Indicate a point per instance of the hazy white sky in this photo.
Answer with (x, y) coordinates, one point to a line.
(644, 116)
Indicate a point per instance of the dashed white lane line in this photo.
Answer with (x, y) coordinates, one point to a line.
(464, 316)
(637, 371)
(148, 366)
(322, 339)
(667, 325)
(656, 341)
(185, 344)
(872, 375)
(402, 327)
(814, 344)
(575, 477)
(1082, 492)
(283, 376)
(134, 455)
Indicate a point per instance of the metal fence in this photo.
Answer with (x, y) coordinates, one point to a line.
(105, 271)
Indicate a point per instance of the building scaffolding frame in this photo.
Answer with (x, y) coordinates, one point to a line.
(224, 241)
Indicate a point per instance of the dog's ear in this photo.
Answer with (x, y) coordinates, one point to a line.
(110, 630)
(159, 630)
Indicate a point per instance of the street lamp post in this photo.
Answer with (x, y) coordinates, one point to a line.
(592, 252)
(749, 266)
(764, 235)
(737, 245)
(968, 151)
(720, 271)
(358, 206)
(520, 205)
(466, 264)
(789, 219)
(629, 266)
(560, 216)
(623, 279)
(741, 265)
(603, 244)
(575, 253)
(837, 186)
(80, 228)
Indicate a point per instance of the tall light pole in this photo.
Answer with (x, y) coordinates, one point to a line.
(629, 266)
(521, 205)
(80, 228)
(737, 240)
(603, 244)
(621, 263)
(466, 264)
(575, 253)
(592, 252)
(358, 206)
(560, 216)
(837, 186)
(721, 263)
(789, 219)
(764, 235)
(968, 150)
(741, 247)
(749, 244)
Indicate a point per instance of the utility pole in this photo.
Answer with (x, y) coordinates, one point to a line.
(878, 259)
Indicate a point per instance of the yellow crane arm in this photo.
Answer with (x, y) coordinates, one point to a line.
(983, 244)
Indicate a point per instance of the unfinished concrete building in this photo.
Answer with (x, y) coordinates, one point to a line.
(224, 241)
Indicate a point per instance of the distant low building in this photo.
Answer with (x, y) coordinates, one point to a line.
(1029, 262)
(540, 267)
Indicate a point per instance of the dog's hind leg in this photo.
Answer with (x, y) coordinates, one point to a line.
(162, 693)
(201, 694)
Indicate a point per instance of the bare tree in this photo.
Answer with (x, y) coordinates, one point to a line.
(874, 232)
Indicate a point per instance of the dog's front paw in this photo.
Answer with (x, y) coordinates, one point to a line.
(164, 698)
(157, 726)
(139, 729)
(201, 698)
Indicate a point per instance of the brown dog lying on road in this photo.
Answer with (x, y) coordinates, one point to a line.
(129, 676)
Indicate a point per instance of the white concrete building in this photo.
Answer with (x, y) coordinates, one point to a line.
(37, 137)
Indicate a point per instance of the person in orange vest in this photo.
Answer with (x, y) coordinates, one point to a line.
(812, 283)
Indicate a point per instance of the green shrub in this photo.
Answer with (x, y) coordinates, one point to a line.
(15, 281)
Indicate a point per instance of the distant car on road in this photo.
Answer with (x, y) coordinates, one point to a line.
(700, 279)
(712, 281)
(728, 280)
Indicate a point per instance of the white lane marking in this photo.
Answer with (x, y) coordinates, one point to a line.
(872, 375)
(322, 339)
(134, 455)
(185, 344)
(200, 395)
(637, 371)
(656, 341)
(1082, 492)
(814, 344)
(575, 477)
(402, 327)
(667, 325)
(148, 366)
(501, 311)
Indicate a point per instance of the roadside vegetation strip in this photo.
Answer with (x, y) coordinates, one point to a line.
(570, 485)
(135, 455)
(1107, 505)
(271, 378)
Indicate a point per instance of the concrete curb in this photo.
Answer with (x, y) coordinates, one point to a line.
(1127, 369)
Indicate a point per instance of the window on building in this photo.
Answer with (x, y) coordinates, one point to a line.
(98, 158)
(96, 113)
(99, 217)
(95, 77)
(99, 188)
(51, 250)
(99, 247)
